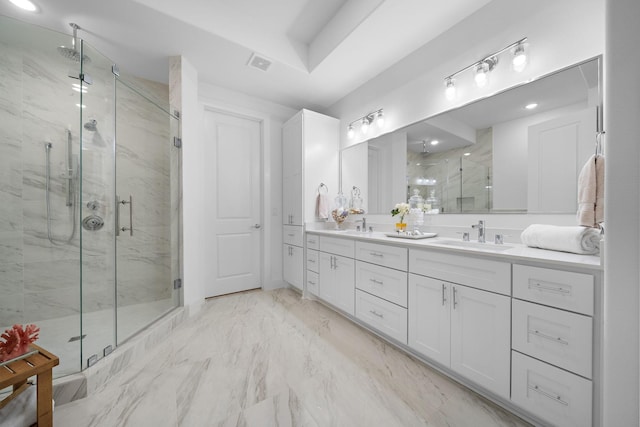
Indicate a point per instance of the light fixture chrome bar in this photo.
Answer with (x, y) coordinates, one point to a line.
(495, 54)
(369, 116)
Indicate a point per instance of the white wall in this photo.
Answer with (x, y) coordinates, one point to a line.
(272, 116)
(510, 157)
(622, 254)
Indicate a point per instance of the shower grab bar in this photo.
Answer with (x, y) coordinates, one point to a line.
(124, 202)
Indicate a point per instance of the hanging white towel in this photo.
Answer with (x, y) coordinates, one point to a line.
(322, 206)
(576, 239)
(591, 192)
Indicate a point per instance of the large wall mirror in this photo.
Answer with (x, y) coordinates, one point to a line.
(520, 150)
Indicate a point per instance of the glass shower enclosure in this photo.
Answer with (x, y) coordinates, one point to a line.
(89, 196)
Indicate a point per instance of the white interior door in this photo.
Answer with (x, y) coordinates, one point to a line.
(232, 150)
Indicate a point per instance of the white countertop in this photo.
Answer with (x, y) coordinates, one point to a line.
(510, 252)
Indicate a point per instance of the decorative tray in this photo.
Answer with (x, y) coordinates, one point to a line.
(410, 236)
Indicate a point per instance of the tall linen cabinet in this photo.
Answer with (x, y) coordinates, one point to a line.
(310, 157)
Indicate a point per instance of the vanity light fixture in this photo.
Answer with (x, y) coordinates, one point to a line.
(450, 91)
(27, 5)
(520, 58)
(365, 121)
(483, 67)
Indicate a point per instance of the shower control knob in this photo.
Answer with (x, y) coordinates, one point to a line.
(93, 205)
(257, 226)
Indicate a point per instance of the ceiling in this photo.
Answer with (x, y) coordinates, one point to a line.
(320, 50)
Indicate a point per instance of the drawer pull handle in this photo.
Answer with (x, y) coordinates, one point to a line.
(377, 282)
(311, 260)
(455, 300)
(313, 242)
(375, 313)
(549, 337)
(311, 283)
(444, 298)
(548, 395)
(290, 234)
(376, 254)
(552, 289)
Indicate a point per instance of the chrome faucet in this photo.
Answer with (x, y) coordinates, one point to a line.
(364, 224)
(480, 227)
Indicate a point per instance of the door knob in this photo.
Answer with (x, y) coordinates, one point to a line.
(257, 226)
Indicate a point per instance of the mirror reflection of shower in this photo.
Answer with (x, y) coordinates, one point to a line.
(69, 174)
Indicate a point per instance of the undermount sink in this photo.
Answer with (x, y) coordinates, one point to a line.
(475, 245)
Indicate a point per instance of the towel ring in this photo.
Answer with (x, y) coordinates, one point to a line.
(326, 189)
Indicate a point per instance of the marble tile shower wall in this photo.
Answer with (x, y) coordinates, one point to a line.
(146, 262)
(40, 280)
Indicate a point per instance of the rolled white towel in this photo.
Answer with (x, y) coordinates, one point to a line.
(575, 239)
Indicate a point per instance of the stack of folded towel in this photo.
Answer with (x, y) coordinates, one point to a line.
(576, 239)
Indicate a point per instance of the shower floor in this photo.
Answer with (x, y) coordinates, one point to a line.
(61, 336)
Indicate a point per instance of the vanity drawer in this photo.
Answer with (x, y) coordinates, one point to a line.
(494, 276)
(553, 395)
(382, 315)
(562, 289)
(292, 235)
(313, 282)
(312, 260)
(388, 256)
(559, 337)
(333, 245)
(383, 282)
(313, 241)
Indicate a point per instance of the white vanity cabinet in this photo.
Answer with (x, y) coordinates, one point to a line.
(464, 328)
(552, 357)
(337, 273)
(313, 264)
(309, 157)
(381, 288)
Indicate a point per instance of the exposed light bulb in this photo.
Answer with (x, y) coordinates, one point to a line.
(519, 58)
(365, 125)
(450, 91)
(350, 132)
(380, 119)
(25, 5)
(481, 74)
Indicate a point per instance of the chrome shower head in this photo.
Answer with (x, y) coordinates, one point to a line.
(91, 125)
(71, 53)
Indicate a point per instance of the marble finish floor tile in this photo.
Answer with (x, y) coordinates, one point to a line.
(274, 359)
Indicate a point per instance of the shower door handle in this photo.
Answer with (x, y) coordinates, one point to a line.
(124, 202)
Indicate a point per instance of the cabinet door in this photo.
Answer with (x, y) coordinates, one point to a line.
(429, 318)
(337, 277)
(480, 337)
(293, 265)
(292, 171)
(328, 286)
(345, 272)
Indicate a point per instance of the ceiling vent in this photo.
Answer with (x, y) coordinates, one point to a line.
(259, 62)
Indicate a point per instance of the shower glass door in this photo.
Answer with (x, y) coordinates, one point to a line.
(147, 187)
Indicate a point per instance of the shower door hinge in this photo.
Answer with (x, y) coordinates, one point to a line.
(86, 78)
(177, 142)
(92, 360)
(177, 284)
(107, 350)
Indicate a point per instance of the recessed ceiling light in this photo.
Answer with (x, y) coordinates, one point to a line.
(467, 154)
(435, 142)
(25, 5)
(417, 164)
(531, 106)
